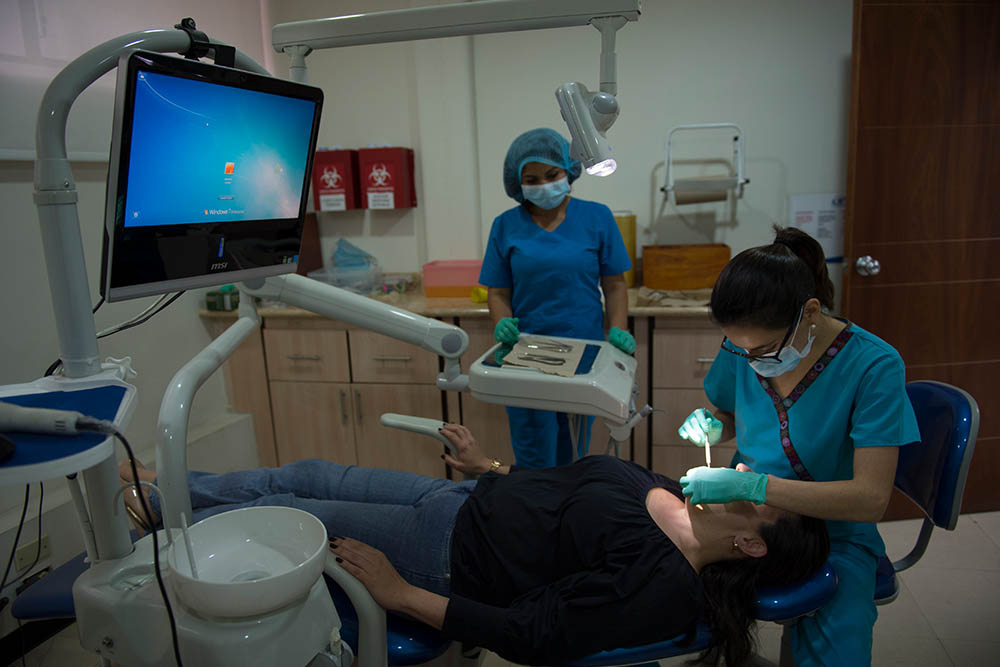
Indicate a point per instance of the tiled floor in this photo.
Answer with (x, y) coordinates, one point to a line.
(947, 613)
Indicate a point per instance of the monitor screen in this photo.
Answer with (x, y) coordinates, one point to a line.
(208, 175)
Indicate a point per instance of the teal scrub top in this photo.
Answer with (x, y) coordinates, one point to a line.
(854, 396)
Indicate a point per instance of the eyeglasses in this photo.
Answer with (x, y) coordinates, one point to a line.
(770, 357)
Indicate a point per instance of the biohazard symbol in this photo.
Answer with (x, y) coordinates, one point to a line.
(331, 177)
(379, 175)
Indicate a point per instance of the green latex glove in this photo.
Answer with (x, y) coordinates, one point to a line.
(502, 352)
(723, 485)
(622, 339)
(506, 331)
(701, 428)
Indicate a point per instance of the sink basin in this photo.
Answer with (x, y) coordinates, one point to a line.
(249, 561)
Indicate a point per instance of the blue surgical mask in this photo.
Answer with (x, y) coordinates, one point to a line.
(547, 195)
(788, 357)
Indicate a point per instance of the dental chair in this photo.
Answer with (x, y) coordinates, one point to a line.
(932, 474)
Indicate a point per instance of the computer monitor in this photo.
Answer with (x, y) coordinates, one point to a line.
(208, 175)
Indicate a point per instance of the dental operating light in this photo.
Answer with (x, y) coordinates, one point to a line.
(588, 116)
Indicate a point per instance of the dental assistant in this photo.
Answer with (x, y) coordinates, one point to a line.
(547, 262)
(818, 408)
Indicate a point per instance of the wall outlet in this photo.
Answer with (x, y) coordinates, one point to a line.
(26, 555)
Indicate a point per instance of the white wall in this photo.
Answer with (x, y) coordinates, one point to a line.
(778, 68)
(159, 347)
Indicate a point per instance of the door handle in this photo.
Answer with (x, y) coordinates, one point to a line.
(867, 266)
(357, 406)
(343, 407)
(704, 360)
(303, 357)
(392, 357)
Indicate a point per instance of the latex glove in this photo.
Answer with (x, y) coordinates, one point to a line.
(723, 485)
(701, 428)
(502, 352)
(622, 339)
(506, 331)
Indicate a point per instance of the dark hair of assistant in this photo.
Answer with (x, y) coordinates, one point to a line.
(767, 285)
(797, 546)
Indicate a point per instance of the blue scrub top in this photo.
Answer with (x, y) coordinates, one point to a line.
(854, 396)
(555, 276)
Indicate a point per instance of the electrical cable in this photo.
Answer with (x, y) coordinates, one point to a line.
(101, 426)
(38, 549)
(17, 536)
(144, 317)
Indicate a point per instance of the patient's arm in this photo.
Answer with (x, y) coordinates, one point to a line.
(471, 458)
(391, 591)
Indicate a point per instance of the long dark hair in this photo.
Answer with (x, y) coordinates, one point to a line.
(797, 546)
(767, 285)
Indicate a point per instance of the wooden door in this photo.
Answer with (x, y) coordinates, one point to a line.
(383, 447)
(923, 198)
(313, 420)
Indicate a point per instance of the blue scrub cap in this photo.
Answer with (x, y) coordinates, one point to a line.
(538, 145)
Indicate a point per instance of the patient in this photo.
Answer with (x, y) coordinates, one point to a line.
(540, 566)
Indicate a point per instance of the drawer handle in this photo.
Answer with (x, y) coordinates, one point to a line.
(390, 357)
(357, 406)
(343, 407)
(304, 357)
(704, 360)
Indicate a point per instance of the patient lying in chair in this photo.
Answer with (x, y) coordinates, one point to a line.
(539, 566)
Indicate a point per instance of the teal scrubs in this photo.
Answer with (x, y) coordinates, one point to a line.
(555, 282)
(854, 396)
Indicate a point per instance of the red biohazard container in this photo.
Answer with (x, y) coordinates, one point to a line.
(335, 180)
(386, 176)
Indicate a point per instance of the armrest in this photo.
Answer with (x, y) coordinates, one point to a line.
(372, 648)
(422, 425)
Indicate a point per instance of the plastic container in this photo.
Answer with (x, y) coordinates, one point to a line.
(451, 277)
(361, 279)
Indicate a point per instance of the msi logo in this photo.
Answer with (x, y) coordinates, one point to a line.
(219, 266)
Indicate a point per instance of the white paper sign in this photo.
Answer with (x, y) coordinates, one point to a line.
(333, 202)
(381, 199)
(821, 217)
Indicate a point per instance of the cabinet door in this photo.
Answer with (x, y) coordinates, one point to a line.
(683, 353)
(383, 447)
(378, 358)
(487, 421)
(313, 420)
(672, 455)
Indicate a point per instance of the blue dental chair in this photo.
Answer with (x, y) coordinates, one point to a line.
(932, 474)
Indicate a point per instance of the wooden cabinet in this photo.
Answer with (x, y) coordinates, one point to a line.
(329, 386)
(683, 351)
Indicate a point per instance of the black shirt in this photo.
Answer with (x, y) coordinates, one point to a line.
(552, 565)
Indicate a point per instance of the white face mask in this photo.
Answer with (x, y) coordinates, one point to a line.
(788, 357)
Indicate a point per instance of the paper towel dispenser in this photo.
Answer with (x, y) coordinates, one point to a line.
(701, 189)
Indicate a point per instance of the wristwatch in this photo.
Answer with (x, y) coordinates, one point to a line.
(495, 465)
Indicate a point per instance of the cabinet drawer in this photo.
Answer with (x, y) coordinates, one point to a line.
(675, 460)
(682, 357)
(378, 358)
(307, 355)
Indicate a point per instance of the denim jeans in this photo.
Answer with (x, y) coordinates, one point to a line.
(408, 517)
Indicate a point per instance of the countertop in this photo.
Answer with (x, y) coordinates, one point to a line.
(642, 303)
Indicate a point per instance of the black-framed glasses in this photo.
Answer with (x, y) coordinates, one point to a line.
(770, 357)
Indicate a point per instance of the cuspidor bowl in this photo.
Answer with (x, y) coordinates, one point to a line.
(249, 561)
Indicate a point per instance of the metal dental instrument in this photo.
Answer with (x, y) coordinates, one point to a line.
(547, 345)
(542, 359)
(708, 454)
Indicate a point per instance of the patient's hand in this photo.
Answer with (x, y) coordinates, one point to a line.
(470, 458)
(371, 567)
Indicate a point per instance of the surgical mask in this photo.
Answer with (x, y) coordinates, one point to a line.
(547, 195)
(788, 357)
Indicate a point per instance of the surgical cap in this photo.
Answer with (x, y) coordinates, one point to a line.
(539, 145)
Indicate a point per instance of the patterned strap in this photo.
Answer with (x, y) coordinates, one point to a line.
(783, 405)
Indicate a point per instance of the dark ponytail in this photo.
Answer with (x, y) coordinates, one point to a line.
(767, 285)
(797, 546)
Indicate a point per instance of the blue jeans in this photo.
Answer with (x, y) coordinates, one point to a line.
(408, 517)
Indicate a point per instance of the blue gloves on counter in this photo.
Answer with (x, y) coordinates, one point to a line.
(723, 485)
(622, 339)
